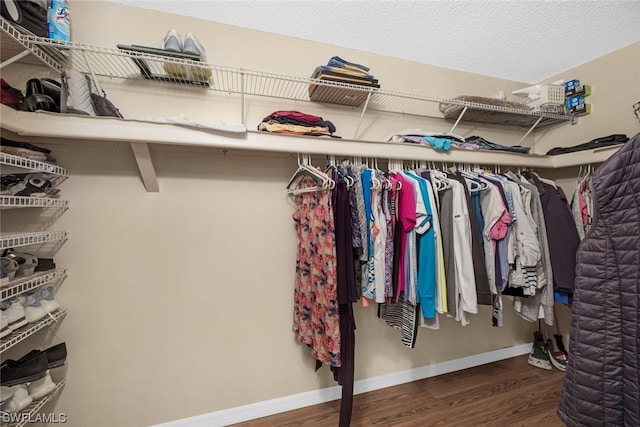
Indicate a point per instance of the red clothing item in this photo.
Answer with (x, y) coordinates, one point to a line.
(406, 207)
(294, 114)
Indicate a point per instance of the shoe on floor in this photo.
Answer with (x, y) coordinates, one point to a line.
(14, 310)
(560, 346)
(173, 42)
(192, 45)
(20, 400)
(556, 357)
(40, 388)
(538, 356)
(14, 372)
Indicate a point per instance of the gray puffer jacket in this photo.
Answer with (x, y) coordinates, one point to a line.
(602, 382)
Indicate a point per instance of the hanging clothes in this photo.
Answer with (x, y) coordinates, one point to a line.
(562, 233)
(316, 312)
(347, 294)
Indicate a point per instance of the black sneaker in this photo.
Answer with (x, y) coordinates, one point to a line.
(538, 356)
(556, 357)
(55, 355)
(14, 372)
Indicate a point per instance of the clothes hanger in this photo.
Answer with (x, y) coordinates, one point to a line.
(321, 179)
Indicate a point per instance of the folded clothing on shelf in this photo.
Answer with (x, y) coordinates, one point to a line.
(297, 123)
(342, 71)
(604, 141)
(483, 144)
(437, 141)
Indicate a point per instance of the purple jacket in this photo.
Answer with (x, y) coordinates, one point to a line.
(602, 382)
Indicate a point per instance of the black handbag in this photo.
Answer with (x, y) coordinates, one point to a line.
(101, 105)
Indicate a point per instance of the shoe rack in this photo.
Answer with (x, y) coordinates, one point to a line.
(41, 243)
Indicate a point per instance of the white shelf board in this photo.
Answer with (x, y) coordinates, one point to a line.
(14, 240)
(9, 202)
(64, 127)
(25, 284)
(26, 331)
(597, 155)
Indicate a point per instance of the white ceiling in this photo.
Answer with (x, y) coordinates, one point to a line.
(522, 40)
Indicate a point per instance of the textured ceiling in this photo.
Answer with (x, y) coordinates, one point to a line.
(522, 40)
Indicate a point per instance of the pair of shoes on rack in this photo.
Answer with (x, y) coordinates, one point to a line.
(25, 262)
(28, 308)
(30, 377)
(189, 44)
(28, 185)
(39, 303)
(4, 325)
(13, 311)
(546, 355)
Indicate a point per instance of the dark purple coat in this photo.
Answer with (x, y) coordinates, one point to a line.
(602, 382)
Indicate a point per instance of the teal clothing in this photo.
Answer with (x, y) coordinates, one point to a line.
(426, 244)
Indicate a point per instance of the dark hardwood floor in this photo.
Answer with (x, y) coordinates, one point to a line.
(502, 394)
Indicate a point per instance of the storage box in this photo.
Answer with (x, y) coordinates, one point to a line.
(549, 95)
(584, 90)
(571, 85)
(576, 106)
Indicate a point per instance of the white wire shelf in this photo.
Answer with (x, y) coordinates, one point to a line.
(126, 64)
(18, 46)
(32, 202)
(30, 414)
(14, 240)
(34, 165)
(26, 331)
(26, 284)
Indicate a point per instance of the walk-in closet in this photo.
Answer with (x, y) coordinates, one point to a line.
(191, 235)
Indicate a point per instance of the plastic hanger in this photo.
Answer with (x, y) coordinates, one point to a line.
(305, 169)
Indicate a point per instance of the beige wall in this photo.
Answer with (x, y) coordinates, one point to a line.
(615, 86)
(180, 301)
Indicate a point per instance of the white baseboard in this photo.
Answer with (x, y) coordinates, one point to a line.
(301, 400)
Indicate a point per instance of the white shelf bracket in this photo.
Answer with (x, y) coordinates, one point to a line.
(145, 165)
(530, 130)
(15, 58)
(464, 110)
(242, 118)
(364, 110)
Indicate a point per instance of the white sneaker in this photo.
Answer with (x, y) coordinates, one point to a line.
(173, 42)
(6, 393)
(14, 310)
(33, 311)
(192, 45)
(4, 325)
(40, 388)
(46, 300)
(20, 399)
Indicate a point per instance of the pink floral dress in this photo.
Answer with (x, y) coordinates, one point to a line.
(315, 312)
